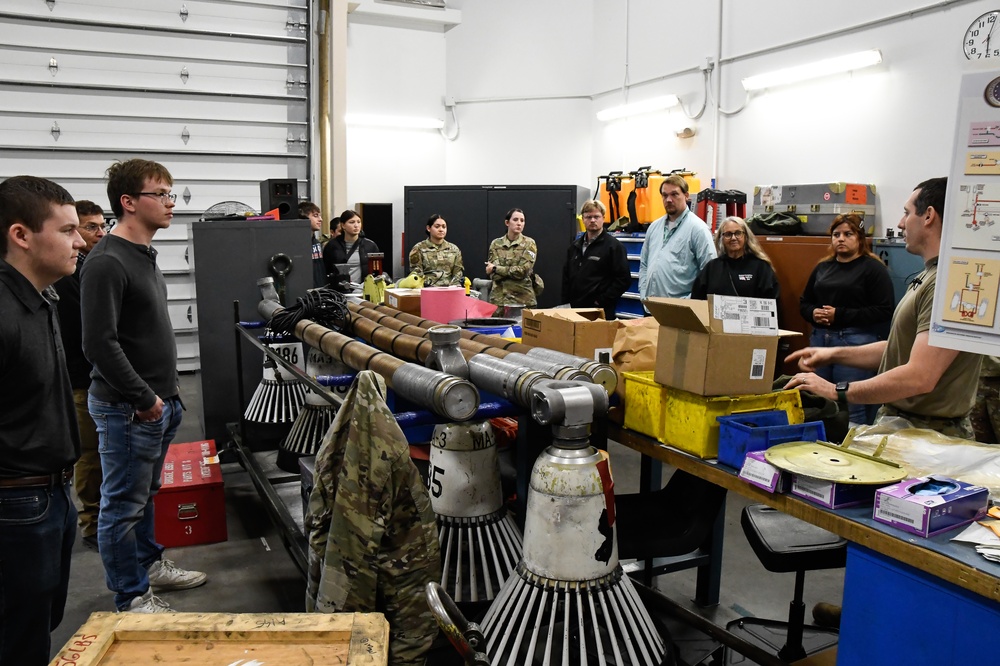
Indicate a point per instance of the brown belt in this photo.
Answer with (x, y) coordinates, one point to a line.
(40, 481)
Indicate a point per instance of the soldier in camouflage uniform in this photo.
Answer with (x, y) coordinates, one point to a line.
(373, 542)
(511, 264)
(437, 260)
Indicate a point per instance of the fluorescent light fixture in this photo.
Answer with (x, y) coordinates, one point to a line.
(397, 122)
(647, 106)
(813, 70)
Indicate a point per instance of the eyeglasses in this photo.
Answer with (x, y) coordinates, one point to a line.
(162, 196)
(732, 234)
(92, 228)
(596, 216)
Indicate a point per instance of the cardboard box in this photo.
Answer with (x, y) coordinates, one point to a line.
(405, 300)
(580, 331)
(190, 507)
(725, 346)
(831, 494)
(758, 472)
(955, 503)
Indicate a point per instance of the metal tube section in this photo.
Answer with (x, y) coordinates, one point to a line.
(554, 370)
(509, 380)
(387, 318)
(600, 373)
(451, 397)
(410, 347)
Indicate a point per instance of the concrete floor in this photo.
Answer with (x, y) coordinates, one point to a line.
(252, 571)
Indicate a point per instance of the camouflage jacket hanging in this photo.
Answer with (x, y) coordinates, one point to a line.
(372, 536)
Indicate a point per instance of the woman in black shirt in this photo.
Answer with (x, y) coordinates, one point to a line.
(849, 302)
(741, 269)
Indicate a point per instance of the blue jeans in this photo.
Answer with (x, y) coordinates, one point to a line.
(847, 337)
(37, 530)
(132, 455)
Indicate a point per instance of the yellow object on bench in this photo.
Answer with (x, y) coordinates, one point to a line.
(687, 420)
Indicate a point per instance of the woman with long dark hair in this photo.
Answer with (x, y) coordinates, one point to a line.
(437, 260)
(350, 248)
(849, 302)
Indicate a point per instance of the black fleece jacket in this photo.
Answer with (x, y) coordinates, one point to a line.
(598, 278)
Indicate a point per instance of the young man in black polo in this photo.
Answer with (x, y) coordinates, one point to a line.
(39, 441)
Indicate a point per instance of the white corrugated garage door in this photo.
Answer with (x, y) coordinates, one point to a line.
(217, 91)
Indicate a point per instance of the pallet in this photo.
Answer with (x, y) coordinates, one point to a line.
(169, 639)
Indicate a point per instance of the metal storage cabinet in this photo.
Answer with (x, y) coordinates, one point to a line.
(902, 265)
(629, 306)
(475, 216)
(230, 256)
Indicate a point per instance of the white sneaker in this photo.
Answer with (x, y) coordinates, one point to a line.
(164, 576)
(149, 603)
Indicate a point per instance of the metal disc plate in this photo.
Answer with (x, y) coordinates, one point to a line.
(831, 463)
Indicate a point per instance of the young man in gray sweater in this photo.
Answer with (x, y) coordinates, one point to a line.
(128, 337)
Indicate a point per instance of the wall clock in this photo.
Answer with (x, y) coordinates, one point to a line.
(980, 41)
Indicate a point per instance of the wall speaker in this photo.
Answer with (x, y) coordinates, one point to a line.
(280, 193)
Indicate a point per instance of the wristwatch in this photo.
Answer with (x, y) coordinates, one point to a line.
(842, 393)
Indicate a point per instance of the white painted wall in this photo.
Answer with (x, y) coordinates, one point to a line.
(529, 77)
(393, 71)
(521, 50)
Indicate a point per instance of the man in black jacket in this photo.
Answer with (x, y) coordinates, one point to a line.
(596, 272)
(87, 474)
(38, 435)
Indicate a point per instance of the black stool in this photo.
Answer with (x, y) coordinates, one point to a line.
(677, 527)
(783, 544)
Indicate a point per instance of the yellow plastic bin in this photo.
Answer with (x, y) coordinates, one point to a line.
(687, 420)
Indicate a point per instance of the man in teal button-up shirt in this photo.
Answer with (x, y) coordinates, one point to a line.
(677, 247)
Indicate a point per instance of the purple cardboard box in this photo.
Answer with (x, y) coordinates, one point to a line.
(758, 472)
(831, 494)
(930, 505)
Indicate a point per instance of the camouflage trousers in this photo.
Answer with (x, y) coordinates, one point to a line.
(986, 411)
(960, 426)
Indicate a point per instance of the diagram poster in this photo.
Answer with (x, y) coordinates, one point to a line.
(968, 281)
(973, 285)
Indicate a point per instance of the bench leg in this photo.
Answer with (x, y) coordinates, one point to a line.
(710, 575)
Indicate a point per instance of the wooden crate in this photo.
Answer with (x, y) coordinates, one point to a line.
(169, 639)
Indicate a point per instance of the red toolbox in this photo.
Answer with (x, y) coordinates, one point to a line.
(190, 507)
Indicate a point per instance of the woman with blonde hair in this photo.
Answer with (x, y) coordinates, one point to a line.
(742, 267)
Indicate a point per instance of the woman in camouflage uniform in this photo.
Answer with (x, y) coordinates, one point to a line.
(511, 263)
(439, 261)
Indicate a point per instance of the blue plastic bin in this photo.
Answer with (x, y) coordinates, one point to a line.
(739, 434)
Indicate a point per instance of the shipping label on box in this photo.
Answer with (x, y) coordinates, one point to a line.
(929, 505)
(190, 507)
(830, 494)
(747, 316)
(758, 472)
